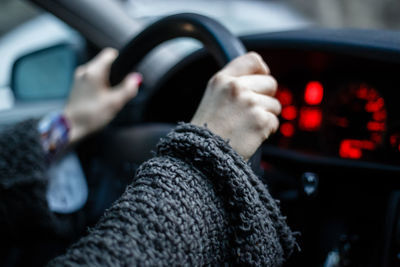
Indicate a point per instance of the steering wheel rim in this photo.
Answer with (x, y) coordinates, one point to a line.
(217, 40)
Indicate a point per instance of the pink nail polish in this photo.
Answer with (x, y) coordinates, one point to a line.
(137, 77)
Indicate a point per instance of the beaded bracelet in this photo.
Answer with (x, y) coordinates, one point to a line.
(53, 129)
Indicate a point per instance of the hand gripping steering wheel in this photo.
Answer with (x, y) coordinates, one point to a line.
(217, 40)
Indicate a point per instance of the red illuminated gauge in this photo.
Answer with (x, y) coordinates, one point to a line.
(308, 117)
(289, 111)
(356, 122)
(395, 141)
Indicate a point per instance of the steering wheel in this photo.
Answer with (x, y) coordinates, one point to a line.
(217, 40)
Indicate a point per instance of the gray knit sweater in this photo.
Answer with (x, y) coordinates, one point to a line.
(196, 203)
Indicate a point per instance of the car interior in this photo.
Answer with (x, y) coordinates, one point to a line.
(335, 160)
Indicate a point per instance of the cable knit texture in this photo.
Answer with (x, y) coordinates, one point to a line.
(22, 182)
(196, 203)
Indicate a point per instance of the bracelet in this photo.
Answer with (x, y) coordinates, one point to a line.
(54, 129)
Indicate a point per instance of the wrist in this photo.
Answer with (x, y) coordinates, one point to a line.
(199, 145)
(76, 132)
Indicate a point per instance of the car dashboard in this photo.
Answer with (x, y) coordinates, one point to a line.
(335, 161)
(337, 106)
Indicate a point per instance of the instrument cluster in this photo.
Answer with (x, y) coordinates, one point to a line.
(348, 120)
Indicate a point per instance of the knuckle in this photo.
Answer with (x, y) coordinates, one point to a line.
(80, 72)
(254, 56)
(106, 56)
(90, 73)
(257, 62)
(217, 80)
(250, 100)
(233, 88)
(254, 60)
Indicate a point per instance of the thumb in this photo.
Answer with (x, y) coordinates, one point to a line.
(126, 90)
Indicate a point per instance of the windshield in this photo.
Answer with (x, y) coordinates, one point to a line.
(368, 14)
(245, 16)
(240, 16)
(249, 16)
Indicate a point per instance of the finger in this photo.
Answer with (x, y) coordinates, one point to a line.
(274, 123)
(100, 65)
(261, 84)
(80, 71)
(125, 91)
(250, 63)
(267, 103)
(266, 121)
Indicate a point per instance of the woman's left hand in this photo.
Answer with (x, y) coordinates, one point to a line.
(93, 103)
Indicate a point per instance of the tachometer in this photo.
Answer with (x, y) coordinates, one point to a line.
(356, 122)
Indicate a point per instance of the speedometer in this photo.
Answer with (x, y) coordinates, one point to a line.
(356, 121)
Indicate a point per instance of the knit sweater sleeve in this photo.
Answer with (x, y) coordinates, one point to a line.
(196, 203)
(23, 204)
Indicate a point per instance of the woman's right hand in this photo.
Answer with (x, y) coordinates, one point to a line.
(239, 104)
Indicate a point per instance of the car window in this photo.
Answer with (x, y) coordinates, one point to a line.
(14, 13)
(31, 37)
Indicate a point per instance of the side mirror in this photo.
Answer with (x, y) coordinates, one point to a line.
(45, 74)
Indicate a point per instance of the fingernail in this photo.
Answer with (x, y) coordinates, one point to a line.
(136, 77)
